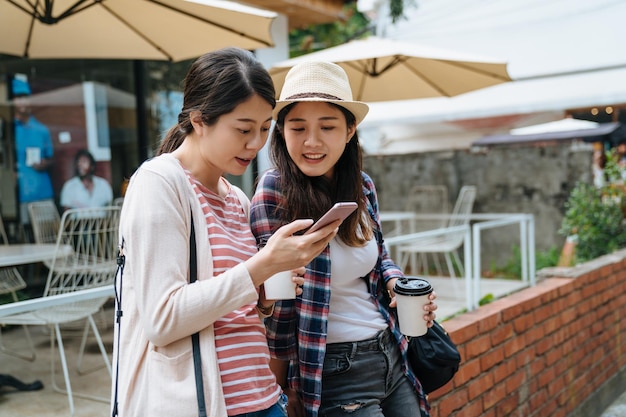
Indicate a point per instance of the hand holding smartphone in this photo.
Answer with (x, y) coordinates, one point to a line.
(337, 212)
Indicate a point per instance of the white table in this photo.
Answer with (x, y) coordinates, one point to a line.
(28, 253)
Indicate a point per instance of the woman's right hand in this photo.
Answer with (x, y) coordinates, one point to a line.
(286, 251)
(295, 408)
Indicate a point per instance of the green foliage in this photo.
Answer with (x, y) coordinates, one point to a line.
(486, 299)
(513, 268)
(595, 217)
(612, 169)
(357, 26)
(547, 259)
(396, 10)
(317, 37)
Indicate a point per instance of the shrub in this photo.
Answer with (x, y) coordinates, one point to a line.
(595, 217)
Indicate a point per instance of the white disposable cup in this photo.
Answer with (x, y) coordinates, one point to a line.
(411, 296)
(280, 286)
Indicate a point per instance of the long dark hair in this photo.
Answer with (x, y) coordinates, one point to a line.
(92, 162)
(215, 84)
(311, 197)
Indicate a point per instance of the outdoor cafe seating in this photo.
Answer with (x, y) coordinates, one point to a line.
(445, 243)
(11, 282)
(409, 244)
(84, 259)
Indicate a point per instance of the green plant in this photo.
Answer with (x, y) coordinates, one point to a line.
(612, 169)
(595, 217)
(513, 268)
(486, 299)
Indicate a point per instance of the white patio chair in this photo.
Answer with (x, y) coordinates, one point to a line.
(92, 234)
(45, 220)
(11, 282)
(445, 243)
(428, 199)
(425, 200)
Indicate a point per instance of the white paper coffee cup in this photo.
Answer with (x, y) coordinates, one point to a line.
(411, 296)
(280, 286)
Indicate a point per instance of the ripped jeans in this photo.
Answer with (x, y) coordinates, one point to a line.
(365, 379)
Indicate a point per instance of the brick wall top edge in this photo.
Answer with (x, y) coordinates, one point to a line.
(527, 295)
(617, 257)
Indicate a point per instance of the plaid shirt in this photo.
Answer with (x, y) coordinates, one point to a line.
(297, 330)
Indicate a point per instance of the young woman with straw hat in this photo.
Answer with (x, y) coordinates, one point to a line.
(340, 338)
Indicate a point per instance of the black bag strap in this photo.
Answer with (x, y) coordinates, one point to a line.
(121, 261)
(195, 338)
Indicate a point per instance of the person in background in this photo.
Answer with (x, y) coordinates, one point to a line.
(85, 189)
(225, 120)
(598, 163)
(337, 349)
(34, 153)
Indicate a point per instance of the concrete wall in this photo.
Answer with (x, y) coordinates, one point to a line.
(533, 179)
(556, 349)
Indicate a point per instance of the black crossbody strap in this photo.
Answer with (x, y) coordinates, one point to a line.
(119, 273)
(195, 338)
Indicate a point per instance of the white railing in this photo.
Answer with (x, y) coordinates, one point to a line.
(527, 243)
(472, 243)
(33, 304)
(467, 244)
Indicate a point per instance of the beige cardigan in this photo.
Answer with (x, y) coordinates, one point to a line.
(161, 310)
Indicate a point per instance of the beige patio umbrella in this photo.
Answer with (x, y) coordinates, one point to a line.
(171, 30)
(384, 69)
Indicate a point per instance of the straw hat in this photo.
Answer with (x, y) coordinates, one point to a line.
(319, 81)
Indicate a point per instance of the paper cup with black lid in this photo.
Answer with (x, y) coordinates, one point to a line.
(411, 296)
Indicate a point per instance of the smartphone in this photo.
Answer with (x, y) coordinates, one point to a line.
(337, 212)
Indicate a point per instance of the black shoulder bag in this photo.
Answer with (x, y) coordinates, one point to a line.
(195, 338)
(433, 358)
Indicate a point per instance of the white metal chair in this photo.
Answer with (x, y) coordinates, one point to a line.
(11, 282)
(445, 243)
(428, 199)
(45, 220)
(92, 234)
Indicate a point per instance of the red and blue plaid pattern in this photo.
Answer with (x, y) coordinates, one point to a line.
(297, 330)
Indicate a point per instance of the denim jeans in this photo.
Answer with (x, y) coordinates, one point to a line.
(365, 379)
(277, 410)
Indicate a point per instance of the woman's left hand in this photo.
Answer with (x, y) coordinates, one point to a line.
(298, 278)
(429, 308)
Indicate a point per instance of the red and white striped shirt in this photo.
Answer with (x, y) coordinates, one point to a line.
(243, 356)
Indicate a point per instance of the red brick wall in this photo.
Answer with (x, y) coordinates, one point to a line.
(541, 351)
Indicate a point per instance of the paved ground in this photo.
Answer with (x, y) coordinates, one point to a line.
(618, 408)
(48, 403)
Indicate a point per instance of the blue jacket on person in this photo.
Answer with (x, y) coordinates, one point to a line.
(33, 185)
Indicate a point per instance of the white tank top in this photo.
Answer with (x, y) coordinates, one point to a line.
(352, 315)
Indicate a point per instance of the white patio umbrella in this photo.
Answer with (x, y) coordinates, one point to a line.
(171, 30)
(384, 69)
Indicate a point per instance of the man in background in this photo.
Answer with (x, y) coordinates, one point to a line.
(34, 151)
(85, 189)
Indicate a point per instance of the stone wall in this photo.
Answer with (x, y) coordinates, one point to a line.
(556, 349)
(533, 179)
